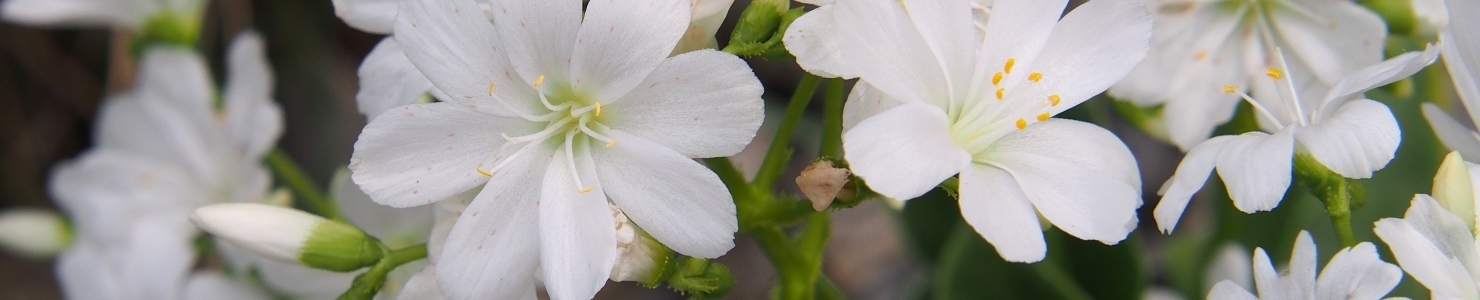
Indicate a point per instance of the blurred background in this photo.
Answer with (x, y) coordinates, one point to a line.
(52, 81)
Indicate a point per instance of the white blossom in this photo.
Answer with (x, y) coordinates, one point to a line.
(1353, 273)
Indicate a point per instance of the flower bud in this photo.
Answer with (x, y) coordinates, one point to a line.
(640, 258)
(31, 232)
(821, 182)
(290, 235)
(1454, 187)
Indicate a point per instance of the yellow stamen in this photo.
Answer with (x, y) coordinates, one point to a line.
(490, 88)
(598, 111)
(1054, 99)
(484, 173)
(1200, 55)
(1229, 89)
(1007, 68)
(1274, 73)
(1035, 77)
(1022, 124)
(1043, 117)
(611, 142)
(997, 78)
(587, 189)
(539, 80)
(999, 93)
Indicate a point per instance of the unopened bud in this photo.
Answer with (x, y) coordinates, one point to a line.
(640, 258)
(1454, 187)
(290, 235)
(31, 232)
(821, 182)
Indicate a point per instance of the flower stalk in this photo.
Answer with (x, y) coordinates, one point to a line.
(287, 171)
(1338, 193)
(366, 285)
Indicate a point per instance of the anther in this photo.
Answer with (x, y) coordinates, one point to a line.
(490, 88)
(1022, 124)
(1229, 89)
(999, 93)
(1274, 73)
(598, 111)
(484, 173)
(1200, 55)
(539, 80)
(1054, 99)
(611, 142)
(1043, 117)
(997, 78)
(587, 189)
(1035, 77)
(1007, 68)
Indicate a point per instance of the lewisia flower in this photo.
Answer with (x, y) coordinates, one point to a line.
(1202, 45)
(943, 101)
(1461, 51)
(162, 150)
(558, 113)
(1346, 133)
(1353, 273)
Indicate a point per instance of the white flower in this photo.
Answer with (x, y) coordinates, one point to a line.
(162, 150)
(1203, 45)
(1353, 273)
(33, 232)
(1461, 51)
(1435, 247)
(128, 14)
(1348, 134)
(559, 113)
(271, 231)
(813, 38)
(937, 100)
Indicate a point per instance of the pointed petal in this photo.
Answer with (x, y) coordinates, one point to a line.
(1454, 135)
(422, 153)
(881, 44)
(388, 79)
(1444, 276)
(453, 44)
(703, 103)
(1266, 280)
(1078, 175)
(1300, 277)
(813, 39)
(676, 200)
(577, 240)
(254, 120)
(1378, 75)
(373, 16)
(1360, 138)
(74, 13)
(613, 61)
(1227, 290)
(1256, 168)
(865, 101)
(905, 151)
(1357, 273)
(1189, 178)
(1331, 38)
(537, 35)
(493, 249)
(995, 206)
(1093, 47)
(951, 34)
(179, 78)
(1447, 231)
(1461, 49)
(1016, 30)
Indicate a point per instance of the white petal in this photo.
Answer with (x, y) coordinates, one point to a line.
(537, 35)
(1357, 273)
(104, 191)
(180, 78)
(1227, 290)
(576, 233)
(208, 285)
(1358, 139)
(1266, 280)
(1299, 278)
(1454, 135)
(905, 151)
(880, 44)
(254, 121)
(610, 62)
(421, 153)
(1192, 173)
(373, 16)
(1460, 45)
(394, 226)
(1256, 168)
(865, 101)
(388, 79)
(1423, 254)
(676, 200)
(951, 34)
(156, 130)
(1381, 74)
(995, 206)
(303, 282)
(813, 39)
(270, 231)
(1331, 38)
(1447, 231)
(1078, 175)
(75, 13)
(704, 23)
(1017, 30)
(453, 44)
(1094, 46)
(1231, 264)
(85, 273)
(157, 256)
(703, 103)
(493, 250)
(422, 286)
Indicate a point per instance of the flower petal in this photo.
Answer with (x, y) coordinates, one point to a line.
(1358, 139)
(1454, 135)
(995, 206)
(1461, 49)
(1256, 168)
(1192, 173)
(1093, 47)
(453, 44)
(577, 240)
(253, 120)
(1357, 273)
(1424, 243)
(126, 14)
(676, 200)
(865, 101)
(1227, 290)
(373, 16)
(493, 249)
(1332, 39)
(610, 63)
(703, 103)
(1378, 75)
(951, 34)
(813, 39)
(1078, 175)
(905, 151)
(422, 286)
(537, 35)
(156, 130)
(881, 44)
(388, 79)
(394, 226)
(422, 153)
(1299, 279)
(1016, 30)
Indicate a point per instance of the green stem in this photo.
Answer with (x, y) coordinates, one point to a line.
(290, 174)
(1055, 276)
(826, 290)
(780, 152)
(409, 254)
(1335, 191)
(366, 285)
(832, 120)
(777, 247)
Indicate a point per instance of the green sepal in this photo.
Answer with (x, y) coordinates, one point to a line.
(699, 278)
(168, 28)
(336, 246)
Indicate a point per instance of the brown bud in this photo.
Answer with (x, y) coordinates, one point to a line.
(821, 182)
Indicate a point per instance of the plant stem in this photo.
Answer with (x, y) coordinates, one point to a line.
(290, 174)
(832, 120)
(779, 153)
(366, 285)
(1055, 276)
(409, 254)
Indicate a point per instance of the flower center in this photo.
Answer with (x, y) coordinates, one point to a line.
(571, 117)
(977, 123)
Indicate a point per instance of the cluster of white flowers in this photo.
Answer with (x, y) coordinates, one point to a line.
(550, 145)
